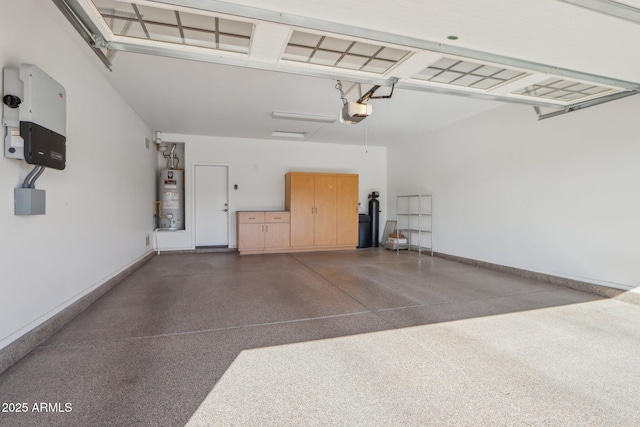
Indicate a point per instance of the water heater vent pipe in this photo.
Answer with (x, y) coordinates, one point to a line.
(172, 157)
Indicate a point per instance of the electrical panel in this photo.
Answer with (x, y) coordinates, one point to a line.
(34, 115)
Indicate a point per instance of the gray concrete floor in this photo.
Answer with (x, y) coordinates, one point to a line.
(365, 337)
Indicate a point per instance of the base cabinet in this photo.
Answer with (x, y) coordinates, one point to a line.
(263, 232)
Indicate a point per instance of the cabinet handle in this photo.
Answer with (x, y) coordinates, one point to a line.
(252, 217)
(277, 217)
(266, 228)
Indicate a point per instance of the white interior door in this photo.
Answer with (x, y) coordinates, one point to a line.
(211, 205)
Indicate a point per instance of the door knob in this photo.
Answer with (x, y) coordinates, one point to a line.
(225, 210)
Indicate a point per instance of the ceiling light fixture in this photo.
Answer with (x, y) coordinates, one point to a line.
(284, 134)
(303, 117)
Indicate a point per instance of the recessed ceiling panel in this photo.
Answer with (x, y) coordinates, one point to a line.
(299, 38)
(486, 83)
(488, 70)
(175, 26)
(563, 90)
(468, 74)
(364, 49)
(154, 14)
(391, 54)
(468, 80)
(446, 77)
(378, 66)
(297, 53)
(114, 6)
(465, 67)
(198, 22)
(233, 43)
(165, 33)
(342, 53)
(200, 38)
(353, 62)
(126, 27)
(235, 28)
(336, 45)
(324, 57)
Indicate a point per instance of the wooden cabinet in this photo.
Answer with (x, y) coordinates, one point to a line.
(302, 203)
(347, 210)
(262, 232)
(324, 210)
(326, 218)
(277, 230)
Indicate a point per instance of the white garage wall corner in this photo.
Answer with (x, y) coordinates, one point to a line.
(99, 209)
(258, 168)
(557, 196)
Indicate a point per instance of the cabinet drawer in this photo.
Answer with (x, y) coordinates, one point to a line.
(250, 217)
(277, 216)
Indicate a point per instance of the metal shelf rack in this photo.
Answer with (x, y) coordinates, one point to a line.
(414, 216)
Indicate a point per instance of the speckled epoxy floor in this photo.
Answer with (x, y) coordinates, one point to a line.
(365, 337)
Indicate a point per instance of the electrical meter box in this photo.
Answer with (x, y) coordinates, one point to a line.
(34, 115)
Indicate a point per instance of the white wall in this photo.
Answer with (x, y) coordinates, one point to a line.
(98, 208)
(258, 168)
(558, 196)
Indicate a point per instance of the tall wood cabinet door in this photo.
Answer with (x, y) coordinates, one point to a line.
(325, 201)
(301, 206)
(250, 236)
(347, 210)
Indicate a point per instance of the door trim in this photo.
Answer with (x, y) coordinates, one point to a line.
(193, 199)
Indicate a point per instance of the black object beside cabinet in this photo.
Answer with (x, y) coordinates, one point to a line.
(364, 231)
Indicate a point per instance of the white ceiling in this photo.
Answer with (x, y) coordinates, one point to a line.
(181, 96)
(178, 96)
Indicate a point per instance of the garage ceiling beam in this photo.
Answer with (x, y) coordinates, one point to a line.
(610, 8)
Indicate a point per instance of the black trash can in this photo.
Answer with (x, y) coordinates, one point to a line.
(364, 231)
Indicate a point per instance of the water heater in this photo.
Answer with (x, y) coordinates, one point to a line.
(171, 197)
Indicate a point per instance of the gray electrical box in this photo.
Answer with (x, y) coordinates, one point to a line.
(29, 201)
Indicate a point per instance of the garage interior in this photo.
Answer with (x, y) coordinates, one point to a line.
(517, 121)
